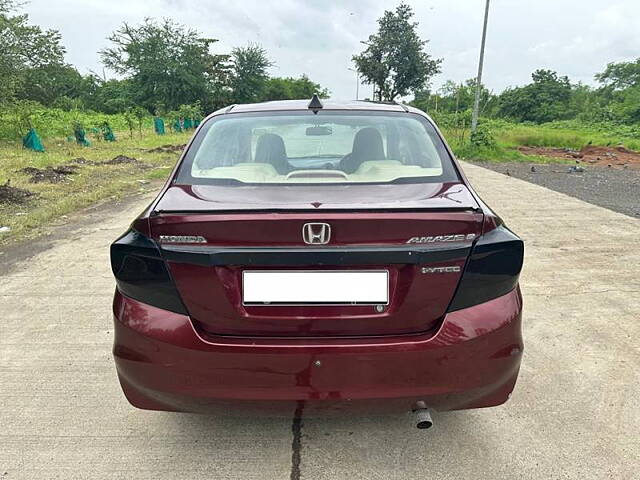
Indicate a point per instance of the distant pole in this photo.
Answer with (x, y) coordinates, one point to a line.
(476, 106)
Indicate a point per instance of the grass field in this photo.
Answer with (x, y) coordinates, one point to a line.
(509, 136)
(95, 181)
(92, 181)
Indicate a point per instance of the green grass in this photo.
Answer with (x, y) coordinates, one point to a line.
(501, 154)
(546, 136)
(510, 136)
(89, 185)
(502, 151)
(541, 137)
(159, 173)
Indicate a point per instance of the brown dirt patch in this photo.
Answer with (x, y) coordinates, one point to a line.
(82, 161)
(121, 160)
(9, 194)
(124, 160)
(168, 149)
(616, 157)
(49, 174)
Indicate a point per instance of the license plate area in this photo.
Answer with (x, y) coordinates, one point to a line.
(315, 287)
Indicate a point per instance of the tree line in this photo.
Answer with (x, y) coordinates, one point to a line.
(161, 65)
(548, 97)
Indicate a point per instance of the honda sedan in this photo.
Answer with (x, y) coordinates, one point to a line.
(316, 257)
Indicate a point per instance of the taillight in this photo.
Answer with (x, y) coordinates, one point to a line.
(142, 274)
(492, 270)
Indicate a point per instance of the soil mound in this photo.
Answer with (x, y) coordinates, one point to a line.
(168, 149)
(122, 159)
(619, 157)
(18, 196)
(49, 174)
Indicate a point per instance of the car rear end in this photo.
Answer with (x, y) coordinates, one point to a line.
(317, 260)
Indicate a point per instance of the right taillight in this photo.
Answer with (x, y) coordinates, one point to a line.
(492, 270)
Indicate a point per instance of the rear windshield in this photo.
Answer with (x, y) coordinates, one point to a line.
(330, 147)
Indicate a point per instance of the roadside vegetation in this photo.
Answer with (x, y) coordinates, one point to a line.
(69, 140)
(38, 189)
(501, 140)
(550, 111)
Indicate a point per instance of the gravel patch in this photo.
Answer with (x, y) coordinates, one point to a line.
(612, 188)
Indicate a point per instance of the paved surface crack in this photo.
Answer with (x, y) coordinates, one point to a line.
(568, 294)
(296, 442)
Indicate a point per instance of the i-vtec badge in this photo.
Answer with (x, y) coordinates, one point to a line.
(443, 238)
(452, 269)
(182, 239)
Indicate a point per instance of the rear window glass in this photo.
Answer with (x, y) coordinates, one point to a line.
(330, 147)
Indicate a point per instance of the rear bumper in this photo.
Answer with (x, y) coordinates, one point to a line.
(472, 361)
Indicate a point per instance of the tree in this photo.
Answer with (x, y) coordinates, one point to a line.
(166, 63)
(395, 60)
(587, 104)
(23, 47)
(619, 97)
(110, 96)
(626, 105)
(277, 88)
(249, 73)
(619, 76)
(48, 83)
(546, 99)
(458, 97)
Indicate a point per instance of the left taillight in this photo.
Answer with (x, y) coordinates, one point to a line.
(142, 274)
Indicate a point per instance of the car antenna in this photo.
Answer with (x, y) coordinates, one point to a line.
(315, 104)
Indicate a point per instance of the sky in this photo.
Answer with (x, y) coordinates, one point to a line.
(318, 37)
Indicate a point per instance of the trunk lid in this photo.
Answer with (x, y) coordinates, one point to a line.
(423, 246)
(410, 196)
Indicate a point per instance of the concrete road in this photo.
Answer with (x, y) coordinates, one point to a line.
(575, 413)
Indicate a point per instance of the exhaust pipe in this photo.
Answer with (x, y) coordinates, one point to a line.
(423, 416)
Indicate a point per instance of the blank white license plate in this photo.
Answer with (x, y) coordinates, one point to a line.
(319, 287)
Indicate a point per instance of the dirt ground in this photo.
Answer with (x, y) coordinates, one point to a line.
(611, 157)
(168, 149)
(614, 188)
(14, 195)
(50, 174)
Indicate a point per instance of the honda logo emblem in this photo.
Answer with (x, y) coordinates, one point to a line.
(316, 233)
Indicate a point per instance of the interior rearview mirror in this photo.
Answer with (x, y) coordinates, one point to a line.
(319, 131)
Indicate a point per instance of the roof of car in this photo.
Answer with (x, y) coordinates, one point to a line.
(328, 104)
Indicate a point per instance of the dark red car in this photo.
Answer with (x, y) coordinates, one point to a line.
(307, 257)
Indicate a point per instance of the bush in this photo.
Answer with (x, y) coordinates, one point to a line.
(17, 118)
(482, 137)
